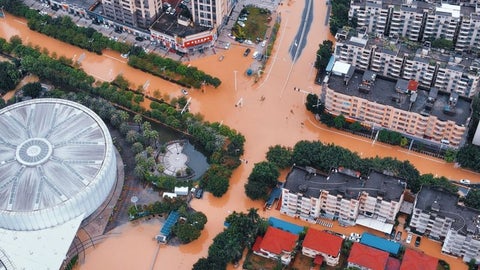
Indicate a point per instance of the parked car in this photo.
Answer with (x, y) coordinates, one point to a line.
(264, 43)
(465, 181)
(398, 237)
(392, 234)
(247, 52)
(139, 38)
(409, 238)
(418, 240)
(354, 237)
(199, 193)
(255, 55)
(184, 91)
(242, 24)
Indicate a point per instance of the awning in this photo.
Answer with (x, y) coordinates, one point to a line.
(374, 224)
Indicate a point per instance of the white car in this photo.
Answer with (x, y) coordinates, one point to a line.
(409, 238)
(242, 24)
(248, 42)
(184, 91)
(227, 45)
(465, 181)
(355, 237)
(264, 43)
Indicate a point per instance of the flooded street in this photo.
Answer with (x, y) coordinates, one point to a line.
(271, 113)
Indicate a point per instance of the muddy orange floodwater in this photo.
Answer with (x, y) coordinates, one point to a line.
(269, 112)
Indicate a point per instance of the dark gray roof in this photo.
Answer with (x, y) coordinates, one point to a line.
(169, 25)
(299, 180)
(446, 205)
(390, 188)
(383, 92)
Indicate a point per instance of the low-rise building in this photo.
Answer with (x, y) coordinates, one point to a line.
(367, 258)
(438, 215)
(386, 103)
(324, 244)
(342, 196)
(276, 244)
(416, 260)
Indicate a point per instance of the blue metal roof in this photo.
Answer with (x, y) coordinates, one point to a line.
(380, 243)
(330, 64)
(276, 192)
(171, 220)
(286, 226)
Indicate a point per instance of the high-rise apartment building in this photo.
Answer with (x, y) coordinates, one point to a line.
(133, 13)
(391, 57)
(420, 20)
(211, 13)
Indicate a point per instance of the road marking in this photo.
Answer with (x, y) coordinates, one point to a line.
(346, 135)
(114, 58)
(421, 156)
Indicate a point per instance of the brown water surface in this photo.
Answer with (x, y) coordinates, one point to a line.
(271, 113)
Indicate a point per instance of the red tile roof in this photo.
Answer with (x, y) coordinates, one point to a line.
(412, 85)
(275, 241)
(318, 260)
(323, 242)
(369, 257)
(393, 264)
(256, 245)
(414, 260)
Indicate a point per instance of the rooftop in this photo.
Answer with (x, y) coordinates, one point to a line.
(393, 264)
(383, 91)
(368, 257)
(465, 220)
(168, 24)
(415, 260)
(277, 241)
(380, 243)
(284, 225)
(323, 242)
(390, 188)
(340, 182)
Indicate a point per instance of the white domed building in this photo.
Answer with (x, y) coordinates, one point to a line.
(57, 166)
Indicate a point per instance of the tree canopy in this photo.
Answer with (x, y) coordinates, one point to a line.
(280, 156)
(264, 176)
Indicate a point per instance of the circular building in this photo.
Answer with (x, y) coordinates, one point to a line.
(57, 163)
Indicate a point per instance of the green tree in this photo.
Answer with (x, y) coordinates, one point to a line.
(450, 155)
(324, 53)
(186, 232)
(280, 156)
(339, 121)
(32, 90)
(314, 105)
(9, 76)
(355, 126)
(469, 157)
(266, 173)
(473, 199)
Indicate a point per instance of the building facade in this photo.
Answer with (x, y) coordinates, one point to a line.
(132, 13)
(342, 196)
(321, 243)
(438, 215)
(392, 57)
(211, 13)
(379, 102)
(276, 244)
(419, 20)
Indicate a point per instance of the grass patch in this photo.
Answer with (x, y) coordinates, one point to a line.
(256, 24)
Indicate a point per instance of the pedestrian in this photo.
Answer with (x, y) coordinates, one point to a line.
(246, 161)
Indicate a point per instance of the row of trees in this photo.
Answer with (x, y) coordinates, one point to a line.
(228, 246)
(64, 29)
(171, 69)
(314, 105)
(327, 156)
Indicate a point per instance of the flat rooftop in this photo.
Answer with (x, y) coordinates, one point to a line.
(383, 92)
(168, 24)
(390, 188)
(464, 218)
(300, 180)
